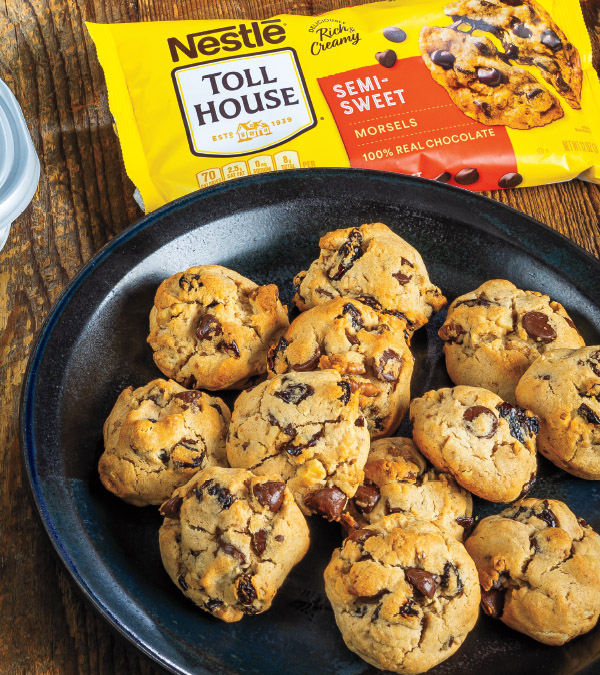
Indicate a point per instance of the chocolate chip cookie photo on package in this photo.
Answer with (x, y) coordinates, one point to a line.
(481, 94)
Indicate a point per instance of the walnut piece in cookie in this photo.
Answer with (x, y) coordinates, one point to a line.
(563, 389)
(405, 594)
(529, 37)
(372, 264)
(211, 328)
(488, 445)
(539, 569)
(367, 346)
(398, 479)
(157, 437)
(494, 333)
(229, 539)
(483, 84)
(307, 429)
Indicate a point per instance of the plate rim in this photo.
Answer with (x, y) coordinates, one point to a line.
(28, 387)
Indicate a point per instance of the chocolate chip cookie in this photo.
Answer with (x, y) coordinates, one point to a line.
(367, 346)
(307, 429)
(483, 84)
(405, 594)
(563, 389)
(211, 328)
(493, 334)
(157, 437)
(488, 445)
(398, 479)
(530, 37)
(229, 539)
(374, 265)
(539, 569)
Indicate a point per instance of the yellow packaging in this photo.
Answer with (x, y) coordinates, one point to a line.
(200, 102)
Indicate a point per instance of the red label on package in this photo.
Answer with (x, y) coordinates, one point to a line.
(399, 119)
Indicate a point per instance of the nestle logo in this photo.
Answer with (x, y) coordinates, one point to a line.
(228, 39)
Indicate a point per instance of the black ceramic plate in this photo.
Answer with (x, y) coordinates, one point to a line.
(267, 228)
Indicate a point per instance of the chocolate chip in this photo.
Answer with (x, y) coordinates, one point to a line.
(520, 423)
(360, 536)
(275, 351)
(484, 107)
(560, 84)
(294, 393)
(189, 281)
(402, 279)
(528, 487)
(521, 30)
(370, 301)
(246, 593)
(465, 521)
(366, 498)
(352, 339)
(373, 598)
(511, 52)
(467, 176)
(347, 255)
(231, 550)
(375, 614)
(534, 92)
(483, 47)
(388, 366)
(259, 542)
(475, 302)
(510, 180)
(163, 456)
(482, 428)
(547, 515)
(537, 327)
(451, 332)
(346, 392)
(443, 177)
(409, 609)
(512, 3)
(443, 58)
(361, 611)
(213, 604)
(270, 494)
(171, 508)
(490, 76)
(279, 537)
(230, 348)
(182, 582)
(492, 603)
(354, 314)
(224, 497)
(551, 40)
(587, 413)
(189, 382)
(310, 364)
(190, 397)
(296, 449)
(387, 58)
(394, 34)
(208, 328)
(194, 457)
(426, 582)
(449, 574)
(328, 502)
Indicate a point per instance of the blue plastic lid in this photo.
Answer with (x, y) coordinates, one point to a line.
(19, 164)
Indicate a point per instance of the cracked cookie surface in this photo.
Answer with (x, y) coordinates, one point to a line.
(563, 389)
(539, 569)
(306, 428)
(229, 539)
(360, 343)
(398, 479)
(157, 437)
(494, 333)
(374, 265)
(211, 328)
(405, 594)
(483, 84)
(488, 445)
(530, 37)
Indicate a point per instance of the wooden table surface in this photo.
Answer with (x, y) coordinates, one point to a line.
(84, 199)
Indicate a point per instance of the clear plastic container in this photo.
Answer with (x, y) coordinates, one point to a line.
(19, 164)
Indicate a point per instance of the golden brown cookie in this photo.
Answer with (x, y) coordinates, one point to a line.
(494, 333)
(374, 265)
(211, 328)
(307, 429)
(488, 445)
(563, 389)
(398, 479)
(405, 594)
(360, 343)
(483, 84)
(157, 437)
(229, 539)
(539, 568)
